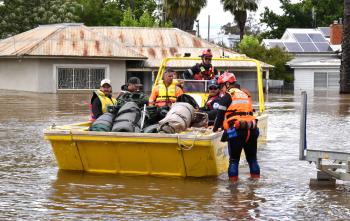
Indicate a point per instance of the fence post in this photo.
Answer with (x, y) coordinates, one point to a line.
(302, 142)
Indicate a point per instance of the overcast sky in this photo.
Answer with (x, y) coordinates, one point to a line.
(219, 18)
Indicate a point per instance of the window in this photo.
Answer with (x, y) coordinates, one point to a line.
(80, 77)
(326, 80)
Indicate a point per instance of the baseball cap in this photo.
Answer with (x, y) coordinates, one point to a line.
(135, 80)
(106, 81)
(212, 84)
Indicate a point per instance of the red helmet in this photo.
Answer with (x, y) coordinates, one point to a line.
(207, 53)
(227, 77)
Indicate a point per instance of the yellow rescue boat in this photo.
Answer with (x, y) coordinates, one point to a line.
(196, 152)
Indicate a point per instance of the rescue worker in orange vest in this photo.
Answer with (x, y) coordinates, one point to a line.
(235, 116)
(204, 70)
(101, 99)
(166, 92)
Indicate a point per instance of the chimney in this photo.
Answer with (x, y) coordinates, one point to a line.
(336, 33)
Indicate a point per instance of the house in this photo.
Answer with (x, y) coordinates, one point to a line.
(316, 62)
(73, 57)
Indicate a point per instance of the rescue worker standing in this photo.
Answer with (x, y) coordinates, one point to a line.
(204, 70)
(166, 92)
(101, 99)
(235, 115)
(212, 103)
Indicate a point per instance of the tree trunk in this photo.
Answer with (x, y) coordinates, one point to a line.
(345, 61)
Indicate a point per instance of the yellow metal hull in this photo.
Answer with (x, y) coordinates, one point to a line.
(190, 153)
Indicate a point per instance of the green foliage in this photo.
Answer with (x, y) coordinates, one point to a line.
(300, 15)
(99, 12)
(183, 13)
(275, 56)
(146, 20)
(20, 15)
(239, 9)
(128, 19)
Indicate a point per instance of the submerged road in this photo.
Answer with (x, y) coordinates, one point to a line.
(31, 187)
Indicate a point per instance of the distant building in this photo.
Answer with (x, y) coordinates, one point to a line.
(229, 41)
(316, 63)
(71, 57)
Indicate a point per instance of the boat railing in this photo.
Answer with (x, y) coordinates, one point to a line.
(331, 165)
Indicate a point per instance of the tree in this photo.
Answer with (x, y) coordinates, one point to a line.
(239, 10)
(183, 13)
(128, 19)
(345, 61)
(305, 14)
(275, 56)
(20, 15)
(251, 27)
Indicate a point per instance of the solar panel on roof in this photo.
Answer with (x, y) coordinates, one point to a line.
(276, 45)
(326, 31)
(317, 37)
(293, 47)
(309, 47)
(323, 47)
(302, 37)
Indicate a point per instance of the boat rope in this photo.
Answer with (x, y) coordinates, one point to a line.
(183, 146)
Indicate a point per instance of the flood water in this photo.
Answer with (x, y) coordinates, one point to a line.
(32, 188)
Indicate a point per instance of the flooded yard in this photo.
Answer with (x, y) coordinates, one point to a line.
(32, 188)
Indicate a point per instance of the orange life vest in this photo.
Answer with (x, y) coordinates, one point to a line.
(205, 74)
(240, 113)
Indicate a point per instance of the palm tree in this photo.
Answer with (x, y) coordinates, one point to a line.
(345, 61)
(239, 10)
(183, 13)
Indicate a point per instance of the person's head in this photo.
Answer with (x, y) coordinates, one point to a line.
(213, 88)
(227, 80)
(134, 84)
(169, 75)
(106, 86)
(207, 55)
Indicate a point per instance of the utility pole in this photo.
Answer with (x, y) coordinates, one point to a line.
(197, 26)
(208, 27)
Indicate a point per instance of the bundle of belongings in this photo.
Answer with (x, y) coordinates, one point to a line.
(131, 114)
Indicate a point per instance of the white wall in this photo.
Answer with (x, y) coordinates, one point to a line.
(304, 78)
(39, 75)
(19, 74)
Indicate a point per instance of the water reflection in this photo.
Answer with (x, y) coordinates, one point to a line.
(140, 197)
(32, 189)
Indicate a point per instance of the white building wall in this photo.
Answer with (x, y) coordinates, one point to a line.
(39, 75)
(19, 74)
(304, 78)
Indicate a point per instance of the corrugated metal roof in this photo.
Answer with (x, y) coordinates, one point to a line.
(65, 40)
(157, 43)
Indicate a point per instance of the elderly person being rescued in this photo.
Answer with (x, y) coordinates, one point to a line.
(166, 92)
(101, 99)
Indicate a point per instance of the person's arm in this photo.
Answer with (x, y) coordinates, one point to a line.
(96, 107)
(224, 103)
(153, 96)
(189, 73)
(178, 91)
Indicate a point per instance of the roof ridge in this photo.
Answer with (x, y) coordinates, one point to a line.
(113, 42)
(27, 51)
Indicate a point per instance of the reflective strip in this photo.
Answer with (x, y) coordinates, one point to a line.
(220, 107)
(239, 102)
(190, 71)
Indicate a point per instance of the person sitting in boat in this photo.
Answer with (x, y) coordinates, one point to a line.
(132, 92)
(235, 115)
(101, 99)
(166, 92)
(204, 70)
(133, 85)
(212, 103)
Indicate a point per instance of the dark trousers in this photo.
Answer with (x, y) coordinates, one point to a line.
(236, 144)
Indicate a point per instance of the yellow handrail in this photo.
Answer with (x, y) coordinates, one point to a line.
(241, 58)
